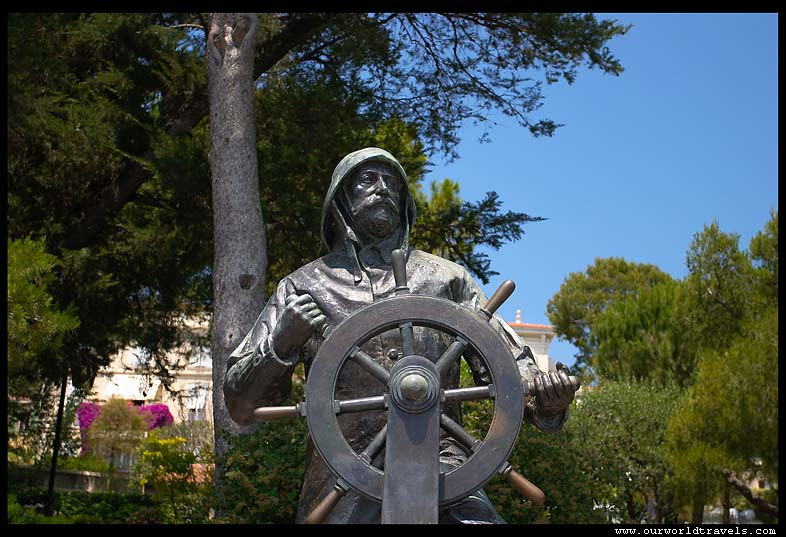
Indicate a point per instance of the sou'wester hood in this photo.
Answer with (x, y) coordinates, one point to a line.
(336, 233)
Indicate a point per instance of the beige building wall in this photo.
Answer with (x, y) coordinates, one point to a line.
(537, 337)
(190, 396)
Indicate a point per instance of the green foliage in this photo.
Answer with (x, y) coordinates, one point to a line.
(623, 424)
(108, 144)
(563, 468)
(264, 474)
(763, 250)
(36, 326)
(303, 130)
(198, 436)
(263, 471)
(108, 141)
(639, 337)
(87, 463)
(602, 466)
(18, 514)
(439, 70)
(584, 296)
(77, 507)
(33, 443)
(166, 464)
(769, 495)
(119, 428)
(714, 334)
(106, 507)
(450, 228)
(696, 471)
(729, 418)
(82, 90)
(35, 419)
(717, 289)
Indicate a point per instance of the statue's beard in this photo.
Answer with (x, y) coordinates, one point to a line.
(375, 217)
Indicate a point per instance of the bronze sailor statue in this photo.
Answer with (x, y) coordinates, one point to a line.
(366, 220)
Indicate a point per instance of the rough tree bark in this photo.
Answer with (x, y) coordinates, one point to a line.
(240, 257)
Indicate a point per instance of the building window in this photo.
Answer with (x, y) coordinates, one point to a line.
(196, 402)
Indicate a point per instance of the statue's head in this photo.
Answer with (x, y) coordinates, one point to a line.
(372, 197)
(368, 199)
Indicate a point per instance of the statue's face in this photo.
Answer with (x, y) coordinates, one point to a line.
(375, 195)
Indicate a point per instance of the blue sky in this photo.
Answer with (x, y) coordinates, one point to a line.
(687, 134)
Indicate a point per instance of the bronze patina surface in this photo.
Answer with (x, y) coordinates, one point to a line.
(367, 214)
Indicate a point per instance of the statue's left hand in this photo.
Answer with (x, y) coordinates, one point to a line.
(554, 391)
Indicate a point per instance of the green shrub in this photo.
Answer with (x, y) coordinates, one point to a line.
(85, 463)
(263, 475)
(166, 465)
(91, 507)
(19, 514)
(108, 507)
(263, 471)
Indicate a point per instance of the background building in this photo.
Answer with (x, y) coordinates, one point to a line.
(537, 337)
(190, 395)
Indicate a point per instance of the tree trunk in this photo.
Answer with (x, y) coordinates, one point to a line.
(652, 507)
(726, 504)
(50, 495)
(743, 489)
(697, 515)
(633, 511)
(668, 515)
(240, 256)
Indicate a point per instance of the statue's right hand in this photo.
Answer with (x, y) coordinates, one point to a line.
(300, 318)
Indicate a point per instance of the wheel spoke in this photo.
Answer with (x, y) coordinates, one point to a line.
(368, 363)
(407, 339)
(376, 445)
(359, 405)
(450, 356)
(459, 433)
(476, 393)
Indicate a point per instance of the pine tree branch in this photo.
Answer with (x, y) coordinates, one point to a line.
(296, 32)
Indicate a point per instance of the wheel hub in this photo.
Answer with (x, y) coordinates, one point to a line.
(414, 388)
(414, 384)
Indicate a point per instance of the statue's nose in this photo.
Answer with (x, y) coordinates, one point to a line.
(382, 185)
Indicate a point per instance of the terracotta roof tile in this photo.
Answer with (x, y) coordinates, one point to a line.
(531, 325)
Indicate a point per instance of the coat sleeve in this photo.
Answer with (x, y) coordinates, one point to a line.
(469, 294)
(255, 375)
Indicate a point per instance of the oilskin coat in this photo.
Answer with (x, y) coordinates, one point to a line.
(342, 282)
